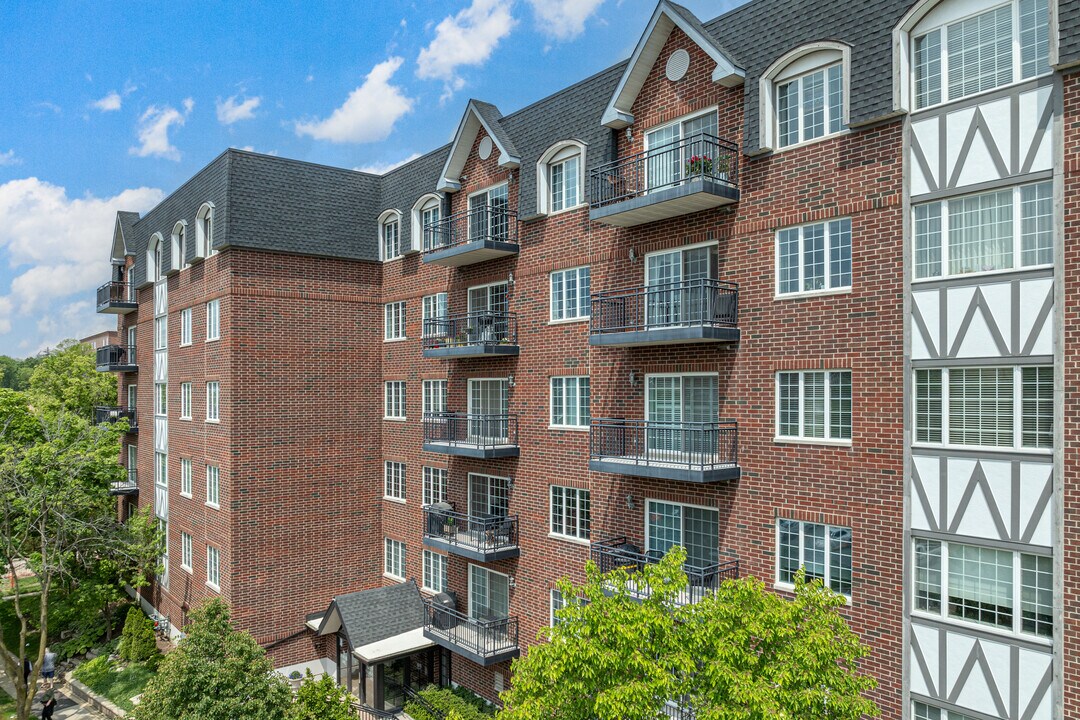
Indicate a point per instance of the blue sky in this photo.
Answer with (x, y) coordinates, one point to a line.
(112, 105)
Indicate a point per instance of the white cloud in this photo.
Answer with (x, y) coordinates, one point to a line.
(465, 39)
(234, 110)
(9, 158)
(368, 114)
(563, 19)
(154, 130)
(381, 168)
(58, 247)
(109, 103)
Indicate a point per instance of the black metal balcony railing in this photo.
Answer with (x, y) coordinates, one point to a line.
(496, 224)
(479, 638)
(691, 445)
(697, 156)
(104, 413)
(126, 487)
(115, 294)
(116, 357)
(475, 329)
(619, 552)
(470, 429)
(483, 534)
(704, 302)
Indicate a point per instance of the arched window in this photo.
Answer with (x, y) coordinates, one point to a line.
(390, 235)
(560, 177)
(426, 214)
(179, 247)
(805, 95)
(155, 257)
(204, 231)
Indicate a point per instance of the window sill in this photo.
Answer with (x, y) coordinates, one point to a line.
(789, 588)
(213, 587)
(556, 213)
(392, 259)
(394, 419)
(185, 495)
(185, 344)
(569, 428)
(213, 339)
(186, 569)
(395, 578)
(394, 340)
(812, 293)
(979, 274)
(993, 629)
(212, 506)
(569, 321)
(785, 440)
(188, 419)
(213, 422)
(428, 591)
(1034, 452)
(570, 539)
(389, 498)
(807, 143)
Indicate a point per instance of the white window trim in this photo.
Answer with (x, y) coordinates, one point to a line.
(431, 382)
(790, 587)
(216, 303)
(209, 584)
(468, 487)
(217, 419)
(551, 403)
(645, 515)
(177, 261)
(552, 320)
(190, 400)
(190, 480)
(543, 176)
(800, 439)
(203, 247)
(385, 217)
(190, 548)
(680, 248)
(424, 317)
(768, 121)
(404, 548)
(424, 484)
(423, 586)
(404, 321)
(488, 189)
(469, 393)
(186, 313)
(208, 503)
(509, 586)
(841, 290)
(416, 227)
(395, 418)
(404, 479)
(714, 109)
(551, 510)
(153, 272)
(933, 13)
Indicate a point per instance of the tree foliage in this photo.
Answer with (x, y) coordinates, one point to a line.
(68, 377)
(138, 644)
(215, 673)
(321, 699)
(741, 653)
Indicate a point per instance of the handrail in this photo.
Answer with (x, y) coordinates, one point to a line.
(486, 533)
(470, 329)
(487, 222)
(113, 355)
(481, 637)
(479, 430)
(112, 413)
(702, 302)
(115, 291)
(620, 552)
(695, 445)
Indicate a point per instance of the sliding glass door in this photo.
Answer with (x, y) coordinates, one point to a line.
(696, 529)
(488, 409)
(673, 296)
(673, 404)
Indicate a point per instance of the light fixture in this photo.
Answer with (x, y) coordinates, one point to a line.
(633, 379)
(633, 255)
(512, 582)
(629, 133)
(510, 280)
(510, 381)
(629, 502)
(510, 177)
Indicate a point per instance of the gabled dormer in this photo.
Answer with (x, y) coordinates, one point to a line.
(479, 116)
(665, 18)
(117, 296)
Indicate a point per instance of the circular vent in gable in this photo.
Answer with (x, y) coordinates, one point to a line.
(677, 65)
(485, 147)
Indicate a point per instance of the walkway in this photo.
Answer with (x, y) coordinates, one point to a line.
(66, 708)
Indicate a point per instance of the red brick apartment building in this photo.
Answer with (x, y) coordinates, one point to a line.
(787, 288)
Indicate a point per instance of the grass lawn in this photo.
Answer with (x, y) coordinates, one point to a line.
(7, 706)
(27, 586)
(118, 685)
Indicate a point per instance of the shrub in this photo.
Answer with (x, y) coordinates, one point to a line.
(321, 699)
(458, 701)
(138, 643)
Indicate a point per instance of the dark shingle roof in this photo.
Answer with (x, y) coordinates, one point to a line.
(373, 615)
(1069, 25)
(127, 222)
(491, 117)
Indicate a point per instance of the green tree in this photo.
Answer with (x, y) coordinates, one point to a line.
(138, 643)
(741, 653)
(321, 699)
(215, 673)
(68, 376)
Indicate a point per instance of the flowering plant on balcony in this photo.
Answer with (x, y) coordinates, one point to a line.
(699, 165)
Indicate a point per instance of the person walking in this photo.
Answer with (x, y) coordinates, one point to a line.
(48, 704)
(48, 667)
(27, 668)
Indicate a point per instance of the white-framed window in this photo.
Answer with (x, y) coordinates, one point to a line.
(813, 405)
(394, 559)
(814, 258)
(999, 230)
(132, 396)
(489, 401)
(953, 57)
(434, 392)
(155, 258)
(434, 485)
(695, 528)
(983, 585)
(185, 327)
(133, 463)
(822, 551)
(394, 480)
(213, 399)
(213, 320)
(131, 335)
(161, 469)
(688, 402)
(213, 486)
(163, 528)
(570, 402)
(426, 214)
(394, 320)
(185, 552)
(570, 294)
(810, 106)
(185, 477)
(687, 147)
(161, 332)
(390, 235)
(204, 231)
(433, 309)
(1002, 407)
(185, 401)
(922, 711)
(679, 285)
(179, 246)
(489, 496)
(213, 567)
(394, 403)
(564, 171)
(434, 579)
(489, 594)
(558, 602)
(488, 216)
(570, 512)
(161, 399)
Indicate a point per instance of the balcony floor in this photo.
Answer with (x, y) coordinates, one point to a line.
(469, 253)
(472, 351)
(664, 470)
(472, 635)
(665, 336)
(473, 451)
(690, 196)
(472, 544)
(118, 367)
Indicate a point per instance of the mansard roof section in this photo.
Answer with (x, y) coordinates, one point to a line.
(403, 186)
(665, 18)
(478, 115)
(1068, 34)
(122, 230)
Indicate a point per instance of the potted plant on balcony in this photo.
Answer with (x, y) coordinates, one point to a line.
(699, 165)
(449, 527)
(295, 678)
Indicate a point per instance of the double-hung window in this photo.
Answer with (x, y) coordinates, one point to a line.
(161, 332)
(814, 258)
(394, 480)
(213, 399)
(985, 585)
(391, 237)
(570, 512)
(822, 551)
(1000, 230)
(394, 559)
(1003, 407)
(696, 529)
(185, 326)
(433, 316)
(213, 567)
(213, 486)
(810, 106)
(394, 320)
(185, 552)
(564, 172)
(185, 401)
(213, 320)
(434, 392)
(981, 52)
(161, 399)
(394, 400)
(185, 477)
(488, 214)
(814, 405)
(434, 485)
(434, 571)
(570, 402)
(570, 294)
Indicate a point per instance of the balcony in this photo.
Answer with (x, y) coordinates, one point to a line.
(103, 414)
(484, 538)
(698, 452)
(619, 552)
(116, 297)
(471, 236)
(688, 311)
(116, 358)
(471, 335)
(471, 435)
(485, 642)
(696, 173)
(126, 487)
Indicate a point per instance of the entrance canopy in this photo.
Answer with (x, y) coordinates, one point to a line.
(380, 624)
